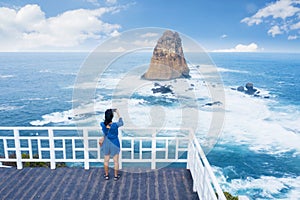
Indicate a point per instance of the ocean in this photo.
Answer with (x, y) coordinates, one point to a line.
(258, 150)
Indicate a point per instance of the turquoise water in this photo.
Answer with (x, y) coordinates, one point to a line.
(258, 152)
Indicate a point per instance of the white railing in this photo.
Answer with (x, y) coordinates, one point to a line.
(154, 147)
(204, 180)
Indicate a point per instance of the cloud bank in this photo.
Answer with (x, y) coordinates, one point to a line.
(28, 28)
(282, 16)
(240, 48)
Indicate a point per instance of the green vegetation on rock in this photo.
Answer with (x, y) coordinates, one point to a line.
(32, 164)
(229, 196)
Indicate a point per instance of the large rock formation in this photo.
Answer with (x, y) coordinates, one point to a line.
(167, 61)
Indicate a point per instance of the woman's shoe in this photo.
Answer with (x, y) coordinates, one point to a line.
(117, 177)
(106, 177)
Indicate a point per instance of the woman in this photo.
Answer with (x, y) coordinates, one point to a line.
(111, 144)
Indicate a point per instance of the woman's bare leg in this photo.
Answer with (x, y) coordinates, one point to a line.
(116, 164)
(106, 162)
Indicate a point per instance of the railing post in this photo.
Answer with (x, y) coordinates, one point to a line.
(189, 152)
(86, 149)
(194, 168)
(120, 156)
(188, 162)
(52, 151)
(153, 152)
(5, 148)
(18, 149)
(204, 182)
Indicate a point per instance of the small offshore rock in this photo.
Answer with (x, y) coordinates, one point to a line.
(214, 103)
(241, 89)
(250, 89)
(156, 84)
(163, 89)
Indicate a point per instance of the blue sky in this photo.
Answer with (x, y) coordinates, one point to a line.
(219, 25)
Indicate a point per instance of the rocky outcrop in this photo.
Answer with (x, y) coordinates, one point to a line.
(214, 103)
(250, 90)
(163, 89)
(168, 60)
(241, 89)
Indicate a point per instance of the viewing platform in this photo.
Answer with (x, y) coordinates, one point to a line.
(77, 183)
(154, 164)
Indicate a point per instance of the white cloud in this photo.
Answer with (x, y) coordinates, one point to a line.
(29, 29)
(94, 2)
(147, 35)
(293, 37)
(275, 30)
(111, 1)
(280, 9)
(240, 48)
(115, 33)
(282, 16)
(119, 49)
(296, 26)
(224, 36)
(145, 43)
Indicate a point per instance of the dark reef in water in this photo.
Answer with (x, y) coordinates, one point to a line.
(250, 90)
(163, 89)
(214, 103)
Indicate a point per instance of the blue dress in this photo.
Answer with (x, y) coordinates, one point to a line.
(111, 144)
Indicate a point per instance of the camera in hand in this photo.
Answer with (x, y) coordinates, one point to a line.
(114, 109)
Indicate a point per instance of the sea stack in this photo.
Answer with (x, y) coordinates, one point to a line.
(168, 60)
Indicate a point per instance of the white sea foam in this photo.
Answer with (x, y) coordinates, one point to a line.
(82, 115)
(85, 85)
(56, 117)
(140, 111)
(45, 71)
(105, 83)
(37, 99)
(5, 107)
(250, 121)
(196, 69)
(265, 186)
(57, 72)
(220, 69)
(6, 76)
(108, 83)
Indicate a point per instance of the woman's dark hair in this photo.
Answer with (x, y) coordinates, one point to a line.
(109, 115)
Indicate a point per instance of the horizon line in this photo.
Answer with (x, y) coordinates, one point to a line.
(85, 51)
